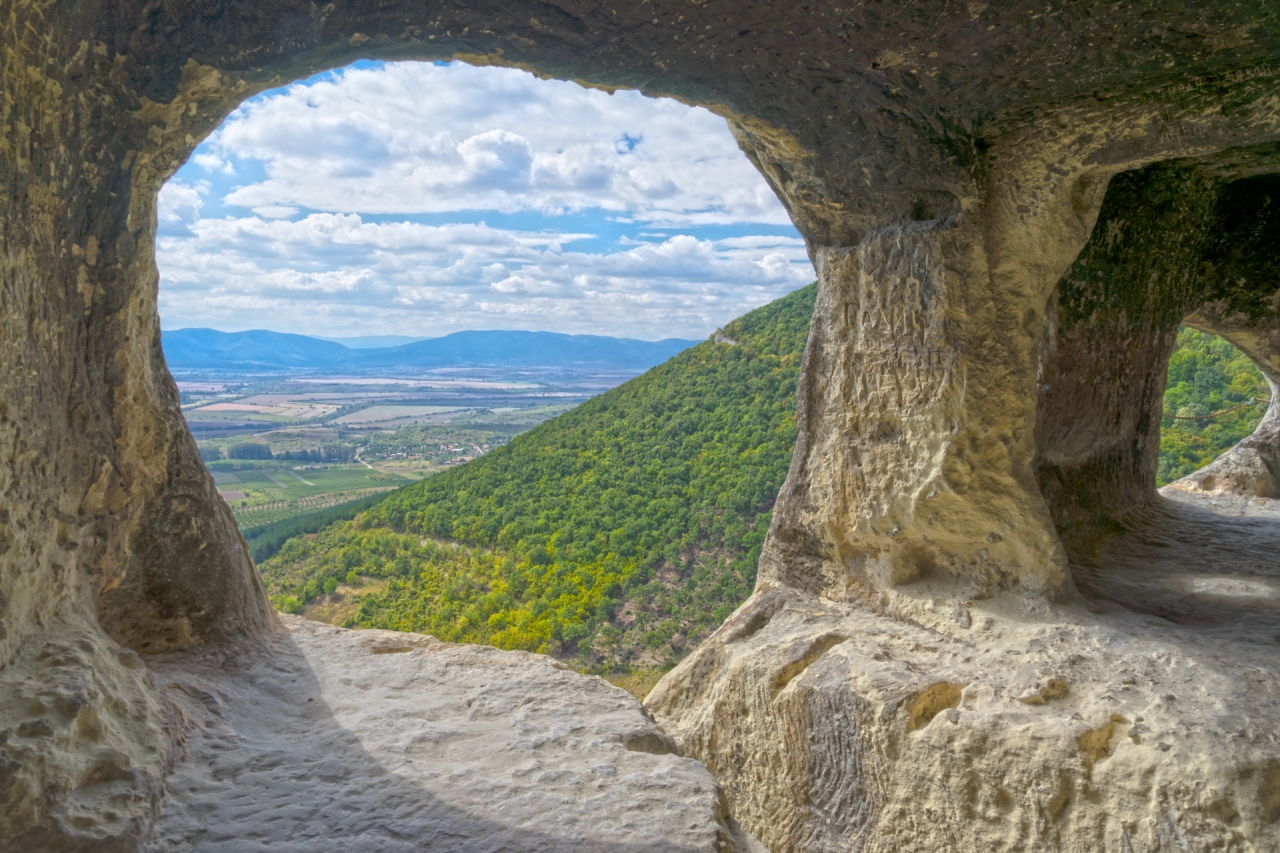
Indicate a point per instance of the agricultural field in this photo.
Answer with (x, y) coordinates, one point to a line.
(286, 446)
(379, 415)
(262, 495)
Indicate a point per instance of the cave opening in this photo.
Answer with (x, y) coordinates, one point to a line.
(1157, 437)
(416, 199)
(1215, 397)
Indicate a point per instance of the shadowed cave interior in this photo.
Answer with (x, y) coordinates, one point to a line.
(1098, 421)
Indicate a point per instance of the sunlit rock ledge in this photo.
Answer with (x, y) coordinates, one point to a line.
(379, 741)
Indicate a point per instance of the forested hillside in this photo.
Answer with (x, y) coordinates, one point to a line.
(624, 530)
(1207, 375)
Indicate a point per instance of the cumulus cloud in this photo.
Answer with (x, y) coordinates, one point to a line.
(355, 202)
(181, 202)
(423, 279)
(420, 137)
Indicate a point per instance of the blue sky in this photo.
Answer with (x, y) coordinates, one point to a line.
(426, 198)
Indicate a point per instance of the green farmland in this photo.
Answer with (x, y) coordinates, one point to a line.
(270, 493)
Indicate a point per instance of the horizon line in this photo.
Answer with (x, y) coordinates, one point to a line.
(335, 338)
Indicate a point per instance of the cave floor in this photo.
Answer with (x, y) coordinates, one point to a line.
(1206, 562)
(381, 741)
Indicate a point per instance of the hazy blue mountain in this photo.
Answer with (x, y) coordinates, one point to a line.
(374, 341)
(531, 349)
(259, 349)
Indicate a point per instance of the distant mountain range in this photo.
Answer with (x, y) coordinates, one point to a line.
(372, 341)
(260, 349)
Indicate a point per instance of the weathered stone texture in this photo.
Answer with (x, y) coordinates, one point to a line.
(940, 725)
(946, 163)
(374, 740)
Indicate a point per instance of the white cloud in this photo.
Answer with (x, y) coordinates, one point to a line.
(181, 202)
(403, 277)
(213, 163)
(420, 138)
(276, 211)
(304, 212)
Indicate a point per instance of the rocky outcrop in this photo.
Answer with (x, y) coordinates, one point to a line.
(946, 163)
(1007, 723)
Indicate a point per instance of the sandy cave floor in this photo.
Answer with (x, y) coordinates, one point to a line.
(1206, 562)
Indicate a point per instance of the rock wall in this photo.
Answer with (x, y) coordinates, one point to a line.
(941, 725)
(980, 386)
(945, 162)
(113, 540)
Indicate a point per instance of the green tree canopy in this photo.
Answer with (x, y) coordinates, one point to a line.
(1207, 375)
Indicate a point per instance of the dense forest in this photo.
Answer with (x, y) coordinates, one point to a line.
(625, 530)
(1207, 376)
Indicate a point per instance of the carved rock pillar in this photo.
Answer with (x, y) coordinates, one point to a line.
(917, 405)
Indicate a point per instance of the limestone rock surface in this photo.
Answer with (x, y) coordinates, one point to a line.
(1141, 719)
(380, 741)
(946, 164)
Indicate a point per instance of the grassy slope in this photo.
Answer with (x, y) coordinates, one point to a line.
(624, 530)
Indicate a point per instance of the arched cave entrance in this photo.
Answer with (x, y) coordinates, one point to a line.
(1215, 397)
(416, 191)
(429, 198)
(1175, 244)
(977, 399)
